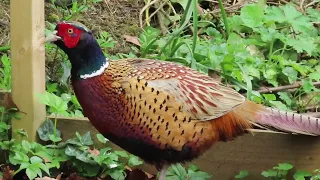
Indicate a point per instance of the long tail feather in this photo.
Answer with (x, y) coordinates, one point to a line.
(284, 121)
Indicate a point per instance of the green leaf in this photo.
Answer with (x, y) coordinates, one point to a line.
(121, 153)
(33, 171)
(35, 160)
(72, 151)
(242, 174)
(279, 105)
(54, 138)
(269, 97)
(45, 167)
(274, 13)
(4, 126)
(134, 161)
(301, 43)
(21, 132)
(183, 3)
(284, 166)
(26, 145)
(286, 97)
(21, 157)
(101, 138)
(193, 167)
(116, 174)
(24, 165)
(252, 15)
(307, 85)
(269, 173)
(301, 175)
(314, 76)
(47, 128)
(86, 139)
(199, 175)
(291, 73)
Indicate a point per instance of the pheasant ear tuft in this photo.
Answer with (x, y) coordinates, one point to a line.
(77, 25)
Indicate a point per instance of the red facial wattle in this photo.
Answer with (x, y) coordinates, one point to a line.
(69, 34)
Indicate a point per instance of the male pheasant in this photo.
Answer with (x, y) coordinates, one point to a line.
(163, 112)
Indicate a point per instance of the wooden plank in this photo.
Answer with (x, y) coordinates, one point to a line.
(28, 62)
(253, 153)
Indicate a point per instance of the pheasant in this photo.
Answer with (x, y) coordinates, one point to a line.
(162, 112)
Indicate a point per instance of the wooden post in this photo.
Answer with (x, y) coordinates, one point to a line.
(28, 63)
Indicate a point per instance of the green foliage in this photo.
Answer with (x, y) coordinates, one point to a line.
(261, 46)
(267, 46)
(177, 172)
(5, 73)
(281, 171)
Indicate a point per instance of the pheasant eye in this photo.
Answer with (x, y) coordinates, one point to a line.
(70, 31)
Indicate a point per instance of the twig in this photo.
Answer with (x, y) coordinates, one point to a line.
(143, 9)
(311, 3)
(281, 88)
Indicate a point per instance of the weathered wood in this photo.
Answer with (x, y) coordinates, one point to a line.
(28, 62)
(253, 153)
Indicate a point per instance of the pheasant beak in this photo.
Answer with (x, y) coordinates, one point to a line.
(52, 37)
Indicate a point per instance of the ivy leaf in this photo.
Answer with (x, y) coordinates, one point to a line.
(46, 129)
(86, 139)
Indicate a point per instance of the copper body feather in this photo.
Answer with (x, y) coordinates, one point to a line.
(160, 111)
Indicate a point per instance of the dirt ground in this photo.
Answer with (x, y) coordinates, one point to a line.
(118, 18)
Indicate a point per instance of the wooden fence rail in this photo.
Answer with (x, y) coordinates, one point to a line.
(254, 153)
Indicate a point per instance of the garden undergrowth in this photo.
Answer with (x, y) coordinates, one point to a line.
(263, 46)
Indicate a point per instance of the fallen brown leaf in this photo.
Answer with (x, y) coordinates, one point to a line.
(7, 173)
(132, 39)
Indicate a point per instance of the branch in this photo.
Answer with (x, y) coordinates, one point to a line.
(281, 88)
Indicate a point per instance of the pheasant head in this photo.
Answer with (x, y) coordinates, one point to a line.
(83, 50)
